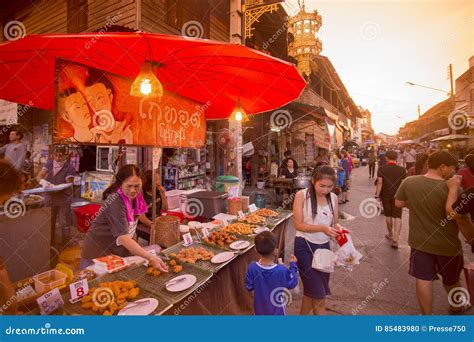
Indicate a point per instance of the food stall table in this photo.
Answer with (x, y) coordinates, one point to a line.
(225, 292)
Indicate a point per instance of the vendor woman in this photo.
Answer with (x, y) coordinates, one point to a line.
(113, 230)
(57, 171)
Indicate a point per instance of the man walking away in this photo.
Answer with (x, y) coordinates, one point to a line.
(410, 155)
(435, 245)
(389, 178)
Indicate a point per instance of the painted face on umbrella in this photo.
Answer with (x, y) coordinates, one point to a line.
(99, 97)
(77, 113)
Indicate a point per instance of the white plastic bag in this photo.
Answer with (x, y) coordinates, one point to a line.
(324, 260)
(347, 255)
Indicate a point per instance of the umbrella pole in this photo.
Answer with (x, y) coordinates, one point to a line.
(156, 152)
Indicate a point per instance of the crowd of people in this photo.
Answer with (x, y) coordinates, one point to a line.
(439, 197)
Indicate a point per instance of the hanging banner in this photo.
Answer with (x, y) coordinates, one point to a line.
(8, 113)
(94, 107)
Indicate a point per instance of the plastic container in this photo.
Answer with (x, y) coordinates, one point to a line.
(223, 183)
(234, 205)
(245, 203)
(184, 198)
(183, 229)
(260, 200)
(49, 280)
(173, 199)
(85, 215)
(210, 203)
(194, 227)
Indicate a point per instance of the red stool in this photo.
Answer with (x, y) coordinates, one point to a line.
(85, 215)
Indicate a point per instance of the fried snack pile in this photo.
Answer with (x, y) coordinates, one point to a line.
(253, 219)
(173, 266)
(191, 255)
(110, 297)
(266, 212)
(239, 228)
(220, 239)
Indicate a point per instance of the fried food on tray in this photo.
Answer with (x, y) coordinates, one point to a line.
(110, 297)
(192, 255)
(220, 238)
(177, 268)
(266, 212)
(253, 219)
(239, 228)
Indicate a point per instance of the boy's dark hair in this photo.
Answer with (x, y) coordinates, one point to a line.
(441, 158)
(391, 155)
(265, 243)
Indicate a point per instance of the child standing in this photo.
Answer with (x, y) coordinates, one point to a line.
(268, 280)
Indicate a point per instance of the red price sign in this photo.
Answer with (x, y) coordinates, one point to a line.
(78, 290)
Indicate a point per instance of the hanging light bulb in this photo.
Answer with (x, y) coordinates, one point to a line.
(146, 83)
(239, 114)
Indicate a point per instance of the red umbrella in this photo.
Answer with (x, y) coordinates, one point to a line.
(205, 71)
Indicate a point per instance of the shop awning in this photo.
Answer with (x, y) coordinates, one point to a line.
(452, 137)
(209, 72)
(299, 109)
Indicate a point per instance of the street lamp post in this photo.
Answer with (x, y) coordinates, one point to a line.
(449, 93)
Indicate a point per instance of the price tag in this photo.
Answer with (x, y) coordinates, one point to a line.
(205, 232)
(241, 214)
(78, 290)
(225, 222)
(25, 292)
(252, 208)
(188, 239)
(50, 301)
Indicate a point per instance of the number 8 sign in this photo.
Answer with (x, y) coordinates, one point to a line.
(78, 290)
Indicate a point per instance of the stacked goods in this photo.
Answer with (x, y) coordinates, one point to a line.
(110, 297)
(110, 264)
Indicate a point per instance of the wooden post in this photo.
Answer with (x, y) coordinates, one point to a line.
(156, 152)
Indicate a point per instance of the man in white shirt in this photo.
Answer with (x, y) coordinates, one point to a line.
(409, 157)
(15, 151)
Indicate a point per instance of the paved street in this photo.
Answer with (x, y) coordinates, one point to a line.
(380, 285)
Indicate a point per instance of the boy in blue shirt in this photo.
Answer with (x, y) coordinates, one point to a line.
(269, 281)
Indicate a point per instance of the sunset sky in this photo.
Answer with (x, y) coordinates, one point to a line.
(376, 46)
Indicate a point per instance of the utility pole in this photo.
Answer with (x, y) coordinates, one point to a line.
(419, 111)
(450, 77)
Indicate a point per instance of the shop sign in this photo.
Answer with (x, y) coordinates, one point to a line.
(95, 107)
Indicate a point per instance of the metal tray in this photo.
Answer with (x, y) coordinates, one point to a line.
(205, 265)
(75, 309)
(239, 237)
(156, 285)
